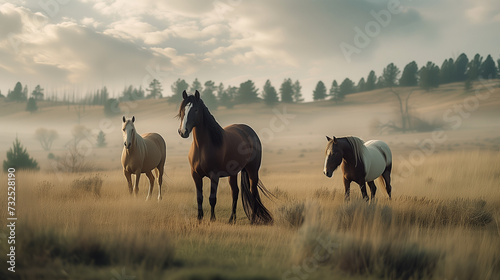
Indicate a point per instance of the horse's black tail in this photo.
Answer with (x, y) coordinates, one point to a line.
(254, 209)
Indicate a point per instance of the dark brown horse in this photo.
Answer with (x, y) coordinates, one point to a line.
(362, 162)
(221, 152)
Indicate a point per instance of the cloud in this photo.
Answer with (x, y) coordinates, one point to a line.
(96, 42)
(68, 53)
(483, 12)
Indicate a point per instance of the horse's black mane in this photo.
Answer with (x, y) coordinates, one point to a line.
(214, 129)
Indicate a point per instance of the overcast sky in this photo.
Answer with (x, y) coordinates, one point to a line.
(86, 44)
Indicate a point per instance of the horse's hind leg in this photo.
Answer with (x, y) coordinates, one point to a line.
(159, 174)
(373, 189)
(387, 178)
(233, 182)
(151, 178)
(363, 190)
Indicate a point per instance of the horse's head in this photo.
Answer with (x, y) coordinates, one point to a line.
(333, 158)
(190, 113)
(128, 129)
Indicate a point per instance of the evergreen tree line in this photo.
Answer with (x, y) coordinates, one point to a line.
(427, 77)
(218, 95)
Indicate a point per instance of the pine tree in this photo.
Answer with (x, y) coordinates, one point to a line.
(371, 81)
(196, 86)
(31, 105)
(498, 68)
(247, 93)
(474, 67)
(461, 67)
(335, 94)
(390, 75)
(488, 69)
(447, 72)
(37, 93)
(361, 85)
(132, 94)
(208, 95)
(17, 94)
(409, 76)
(429, 76)
(270, 95)
(18, 158)
(334, 89)
(286, 91)
(154, 89)
(319, 92)
(226, 98)
(177, 88)
(101, 139)
(346, 87)
(297, 92)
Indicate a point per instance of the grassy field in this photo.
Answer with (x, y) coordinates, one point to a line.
(444, 226)
(442, 223)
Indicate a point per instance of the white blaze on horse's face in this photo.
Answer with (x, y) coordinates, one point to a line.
(325, 169)
(128, 134)
(184, 130)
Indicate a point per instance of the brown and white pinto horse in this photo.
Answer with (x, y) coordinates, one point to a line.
(361, 162)
(223, 152)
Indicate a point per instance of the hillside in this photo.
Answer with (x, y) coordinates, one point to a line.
(471, 122)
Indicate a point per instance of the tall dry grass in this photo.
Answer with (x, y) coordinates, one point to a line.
(441, 224)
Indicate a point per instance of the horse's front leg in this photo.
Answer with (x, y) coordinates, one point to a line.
(136, 187)
(347, 186)
(128, 175)
(199, 193)
(213, 195)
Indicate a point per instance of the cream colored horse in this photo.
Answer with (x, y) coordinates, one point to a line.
(142, 154)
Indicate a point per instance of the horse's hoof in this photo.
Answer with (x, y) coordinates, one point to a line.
(212, 219)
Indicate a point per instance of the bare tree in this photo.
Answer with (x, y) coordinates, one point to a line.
(46, 137)
(80, 132)
(404, 109)
(79, 111)
(75, 158)
(404, 115)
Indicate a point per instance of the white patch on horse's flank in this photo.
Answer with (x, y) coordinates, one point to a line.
(186, 113)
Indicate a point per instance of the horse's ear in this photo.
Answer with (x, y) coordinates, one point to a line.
(133, 118)
(334, 140)
(328, 139)
(124, 120)
(184, 94)
(197, 94)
